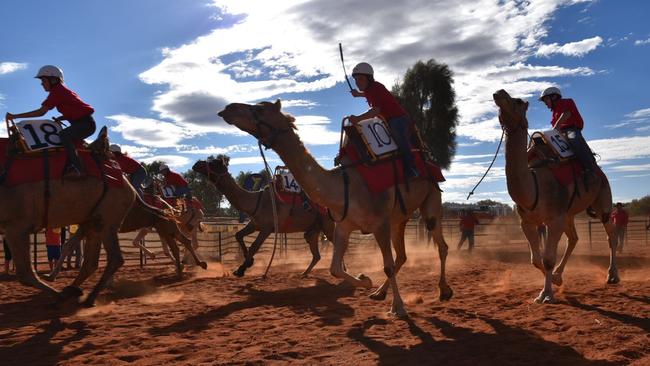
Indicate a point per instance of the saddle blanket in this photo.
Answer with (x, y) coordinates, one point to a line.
(31, 168)
(381, 175)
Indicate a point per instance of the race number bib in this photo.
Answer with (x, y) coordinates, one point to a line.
(289, 183)
(168, 191)
(40, 134)
(559, 143)
(377, 136)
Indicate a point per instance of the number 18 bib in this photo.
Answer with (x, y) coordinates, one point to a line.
(40, 134)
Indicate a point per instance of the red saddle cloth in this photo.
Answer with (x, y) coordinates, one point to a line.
(566, 172)
(381, 175)
(297, 199)
(31, 168)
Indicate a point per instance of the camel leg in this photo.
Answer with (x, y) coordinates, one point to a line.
(147, 251)
(340, 244)
(555, 230)
(612, 271)
(530, 231)
(249, 260)
(445, 290)
(241, 234)
(572, 240)
(174, 253)
(90, 263)
(113, 263)
(312, 239)
(66, 251)
(398, 244)
(383, 237)
(191, 249)
(190, 257)
(18, 241)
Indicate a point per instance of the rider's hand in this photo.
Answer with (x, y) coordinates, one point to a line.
(354, 119)
(9, 116)
(356, 93)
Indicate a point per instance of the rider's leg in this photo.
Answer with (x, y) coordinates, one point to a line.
(78, 130)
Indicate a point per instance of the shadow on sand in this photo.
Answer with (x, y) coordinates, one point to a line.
(464, 346)
(320, 300)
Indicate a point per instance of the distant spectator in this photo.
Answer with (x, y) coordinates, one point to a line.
(76, 251)
(134, 170)
(467, 223)
(53, 244)
(7, 253)
(541, 231)
(620, 220)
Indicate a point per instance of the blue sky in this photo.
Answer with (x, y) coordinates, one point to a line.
(158, 71)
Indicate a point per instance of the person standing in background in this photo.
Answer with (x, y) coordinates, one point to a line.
(53, 244)
(620, 219)
(467, 224)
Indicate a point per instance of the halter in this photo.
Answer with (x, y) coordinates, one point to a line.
(275, 132)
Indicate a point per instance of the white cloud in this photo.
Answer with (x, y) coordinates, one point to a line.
(631, 168)
(9, 67)
(295, 103)
(642, 42)
(577, 49)
(290, 47)
(621, 148)
(174, 161)
(137, 152)
(148, 132)
(215, 150)
(641, 113)
(254, 160)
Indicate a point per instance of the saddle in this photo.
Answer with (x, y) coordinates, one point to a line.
(552, 150)
(373, 153)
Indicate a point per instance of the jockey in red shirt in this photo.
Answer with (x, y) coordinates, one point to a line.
(568, 120)
(383, 103)
(135, 171)
(72, 109)
(181, 187)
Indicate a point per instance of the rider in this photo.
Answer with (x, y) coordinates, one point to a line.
(174, 179)
(383, 103)
(136, 171)
(72, 109)
(567, 120)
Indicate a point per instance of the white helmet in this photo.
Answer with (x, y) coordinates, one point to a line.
(115, 148)
(49, 71)
(550, 91)
(163, 167)
(363, 68)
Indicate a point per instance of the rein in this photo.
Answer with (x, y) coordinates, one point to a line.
(496, 153)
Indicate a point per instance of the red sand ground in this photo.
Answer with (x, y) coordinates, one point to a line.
(210, 317)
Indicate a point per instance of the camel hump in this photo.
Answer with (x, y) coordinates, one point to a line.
(101, 143)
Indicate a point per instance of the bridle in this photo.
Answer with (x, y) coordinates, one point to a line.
(275, 132)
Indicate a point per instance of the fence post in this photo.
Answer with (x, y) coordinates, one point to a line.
(219, 236)
(35, 254)
(645, 225)
(590, 244)
(141, 257)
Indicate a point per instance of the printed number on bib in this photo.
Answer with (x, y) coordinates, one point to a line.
(377, 136)
(168, 191)
(40, 134)
(289, 183)
(559, 143)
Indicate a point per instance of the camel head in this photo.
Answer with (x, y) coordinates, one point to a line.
(99, 147)
(512, 111)
(213, 168)
(265, 120)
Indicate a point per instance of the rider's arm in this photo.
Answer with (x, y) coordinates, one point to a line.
(563, 117)
(370, 113)
(35, 113)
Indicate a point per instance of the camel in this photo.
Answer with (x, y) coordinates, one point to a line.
(140, 215)
(541, 199)
(257, 205)
(344, 192)
(25, 209)
(189, 220)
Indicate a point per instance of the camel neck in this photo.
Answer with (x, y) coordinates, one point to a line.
(240, 198)
(323, 186)
(519, 179)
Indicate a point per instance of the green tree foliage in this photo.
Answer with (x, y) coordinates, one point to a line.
(427, 94)
(639, 207)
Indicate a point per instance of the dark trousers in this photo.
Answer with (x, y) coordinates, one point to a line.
(137, 179)
(399, 129)
(469, 235)
(78, 130)
(580, 148)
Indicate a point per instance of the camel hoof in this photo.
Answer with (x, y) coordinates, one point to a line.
(613, 280)
(365, 281)
(378, 295)
(398, 311)
(556, 278)
(239, 272)
(545, 299)
(71, 291)
(203, 265)
(446, 293)
(48, 277)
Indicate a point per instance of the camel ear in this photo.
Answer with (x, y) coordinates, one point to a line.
(278, 105)
(526, 103)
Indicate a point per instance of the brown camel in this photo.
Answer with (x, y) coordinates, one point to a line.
(377, 214)
(541, 199)
(140, 216)
(258, 206)
(24, 209)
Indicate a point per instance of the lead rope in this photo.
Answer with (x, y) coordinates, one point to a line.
(490, 167)
(273, 205)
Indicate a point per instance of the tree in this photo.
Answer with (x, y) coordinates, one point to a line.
(427, 94)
